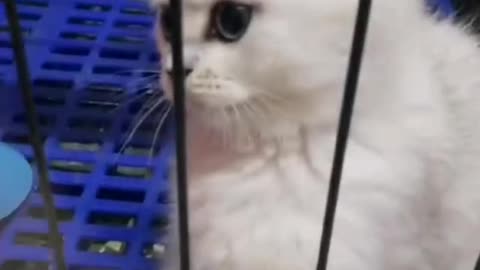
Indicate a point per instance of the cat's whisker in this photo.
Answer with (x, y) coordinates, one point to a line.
(126, 98)
(263, 112)
(147, 103)
(276, 97)
(230, 123)
(254, 112)
(126, 94)
(224, 122)
(139, 123)
(164, 116)
(270, 107)
(145, 82)
(240, 122)
(134, 99)
(237, 119)
(259, 108)
(153, 71)
(136, 71)
(248, 116)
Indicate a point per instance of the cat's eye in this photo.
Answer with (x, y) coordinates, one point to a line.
(229, 21)
(165, 17)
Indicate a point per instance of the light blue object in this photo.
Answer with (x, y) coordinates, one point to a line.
(16, 180)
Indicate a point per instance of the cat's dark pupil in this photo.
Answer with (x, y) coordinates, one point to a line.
(230, 20)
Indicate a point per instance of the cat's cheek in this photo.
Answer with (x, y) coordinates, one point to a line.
(167, 86)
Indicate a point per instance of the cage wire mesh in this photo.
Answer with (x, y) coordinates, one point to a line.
(71, 124)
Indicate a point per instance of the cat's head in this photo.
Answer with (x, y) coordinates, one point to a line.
(262, 66)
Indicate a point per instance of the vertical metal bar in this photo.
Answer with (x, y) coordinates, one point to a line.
(181, 153)
(351, 83)
(40, 159)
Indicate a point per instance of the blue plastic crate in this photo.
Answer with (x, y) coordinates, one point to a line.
(88, 60)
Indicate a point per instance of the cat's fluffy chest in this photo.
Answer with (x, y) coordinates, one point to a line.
(239, 205)
(278, 202)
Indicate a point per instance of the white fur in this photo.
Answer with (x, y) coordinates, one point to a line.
(262, 122)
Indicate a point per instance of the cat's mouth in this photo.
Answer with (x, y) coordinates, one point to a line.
(208, 93)
(227, 109)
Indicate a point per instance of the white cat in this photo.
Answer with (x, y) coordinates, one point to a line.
(263, 105)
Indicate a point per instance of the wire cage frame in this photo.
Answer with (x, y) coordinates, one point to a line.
(353, 72)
